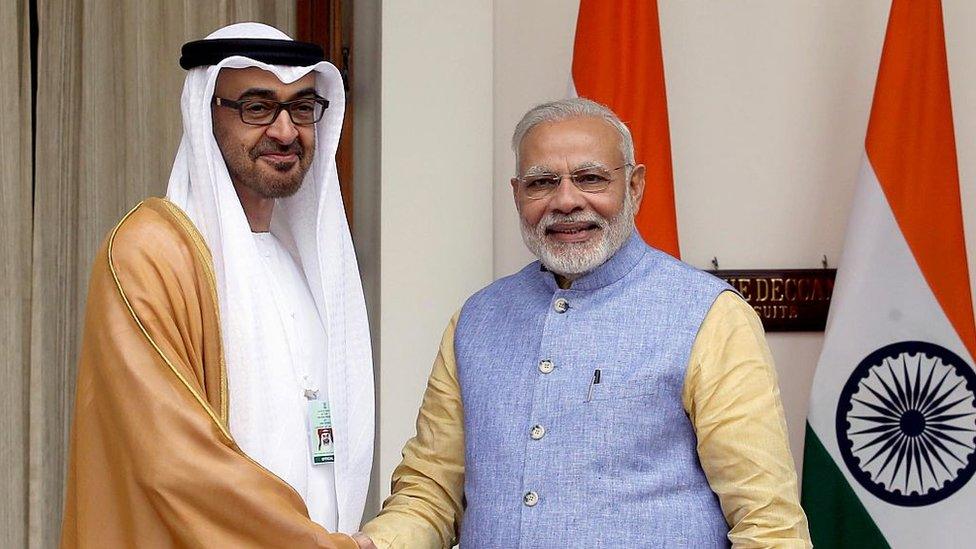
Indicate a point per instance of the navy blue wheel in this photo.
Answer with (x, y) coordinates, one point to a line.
(906, 423)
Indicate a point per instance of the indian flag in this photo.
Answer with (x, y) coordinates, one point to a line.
(891, 437)
(617, 61)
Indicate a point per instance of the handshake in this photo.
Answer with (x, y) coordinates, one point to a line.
(363, 541)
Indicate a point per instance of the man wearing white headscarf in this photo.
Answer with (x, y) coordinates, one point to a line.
(225, 389)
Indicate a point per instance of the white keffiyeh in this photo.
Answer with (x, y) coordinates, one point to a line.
(313, 223)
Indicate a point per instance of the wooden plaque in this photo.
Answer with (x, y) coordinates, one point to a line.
(787, 300)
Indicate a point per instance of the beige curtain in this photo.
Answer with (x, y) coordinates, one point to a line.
(15, 224)
(108, 125)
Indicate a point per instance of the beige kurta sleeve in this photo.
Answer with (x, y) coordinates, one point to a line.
(424, 509)
(732, 398)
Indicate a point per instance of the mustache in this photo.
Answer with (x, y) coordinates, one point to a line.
(269, 146)
(553, 218)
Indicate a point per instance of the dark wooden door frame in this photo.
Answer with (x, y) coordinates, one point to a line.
(321, 22)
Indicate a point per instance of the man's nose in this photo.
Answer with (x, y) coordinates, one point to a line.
(282, 130)
(566, 198)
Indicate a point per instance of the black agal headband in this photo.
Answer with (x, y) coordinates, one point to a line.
(274, 52)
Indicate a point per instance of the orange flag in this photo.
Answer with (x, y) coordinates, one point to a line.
(912, 148)
(617, 62)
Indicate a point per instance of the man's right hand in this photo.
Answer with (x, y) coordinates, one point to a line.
(363, 541)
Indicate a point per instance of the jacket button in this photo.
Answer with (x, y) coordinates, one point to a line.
(530, 499)
(537, 432)
(546, 366)
(560, 305)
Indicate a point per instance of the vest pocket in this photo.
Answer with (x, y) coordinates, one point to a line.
(612, 384)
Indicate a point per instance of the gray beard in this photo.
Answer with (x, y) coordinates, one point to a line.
(572, 260)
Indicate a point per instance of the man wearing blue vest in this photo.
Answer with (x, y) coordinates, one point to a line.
(606, 395)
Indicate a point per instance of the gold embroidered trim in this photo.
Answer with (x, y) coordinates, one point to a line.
(203, 402)
(207, 258)
(194, 234)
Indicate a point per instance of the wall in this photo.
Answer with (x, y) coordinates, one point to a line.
(435, 173)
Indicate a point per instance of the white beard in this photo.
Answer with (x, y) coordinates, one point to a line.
(574, 259)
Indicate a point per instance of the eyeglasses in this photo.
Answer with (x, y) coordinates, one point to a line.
(588, 180)
(263, 112)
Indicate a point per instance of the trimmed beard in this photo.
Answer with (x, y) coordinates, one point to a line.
(574, 259)
(242, 166)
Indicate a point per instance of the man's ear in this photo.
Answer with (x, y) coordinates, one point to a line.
(636, 184)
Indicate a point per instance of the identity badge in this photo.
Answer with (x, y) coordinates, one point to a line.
(321, 441)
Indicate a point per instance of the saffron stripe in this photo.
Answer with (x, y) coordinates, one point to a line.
(911, 146)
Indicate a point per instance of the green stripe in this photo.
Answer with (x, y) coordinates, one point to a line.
(837, 517)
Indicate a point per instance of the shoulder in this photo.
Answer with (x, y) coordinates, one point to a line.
(154, 233)
(730, 305)
(731, 323)
(155, 260)
(507, 288)
(154, 252)
(663, 265)
(660, 277)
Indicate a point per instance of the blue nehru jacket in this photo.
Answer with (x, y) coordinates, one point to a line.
(554, 458)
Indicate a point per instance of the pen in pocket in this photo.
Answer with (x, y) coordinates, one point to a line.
(594, 381)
